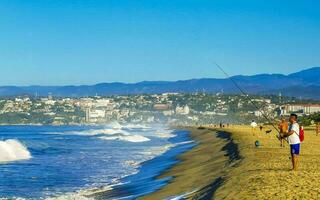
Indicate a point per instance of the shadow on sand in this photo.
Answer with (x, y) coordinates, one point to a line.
(232, 151)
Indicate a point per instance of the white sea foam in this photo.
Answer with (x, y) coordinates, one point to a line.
(128, 138)
(106, 131)
(165, 135)
(132, 163)
(13, 198)
(181, 197)
(185, 142)
(136, 126)
(115, 125)
(13, 150)
(93, 132)
(71, 197)
(81, 194)
(109, 134)
(156, 151)
(120, 134)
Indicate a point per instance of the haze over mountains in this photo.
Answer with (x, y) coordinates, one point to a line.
(305, 84)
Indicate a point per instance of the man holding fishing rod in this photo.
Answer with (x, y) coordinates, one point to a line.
(293, 139)
(292, 135)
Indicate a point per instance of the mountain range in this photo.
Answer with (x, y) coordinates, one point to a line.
(304, 84)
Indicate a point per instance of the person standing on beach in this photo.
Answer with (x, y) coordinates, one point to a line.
(317, 128)
(253, 127)
(294, 140)
(283, 128)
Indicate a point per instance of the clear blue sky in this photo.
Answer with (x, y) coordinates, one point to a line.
(58, 42)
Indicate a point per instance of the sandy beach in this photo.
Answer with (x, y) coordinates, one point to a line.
(227, 165)
(202, 169)
(265, 172)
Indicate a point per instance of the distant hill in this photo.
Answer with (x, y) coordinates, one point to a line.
(305, 84)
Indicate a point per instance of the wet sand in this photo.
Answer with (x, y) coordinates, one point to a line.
(202, 169)
(216, 170)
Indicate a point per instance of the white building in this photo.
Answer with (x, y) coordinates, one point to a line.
(95, 115)
(102, 103)
(300, 108)
(258, 113)
(184, 110)
(49, 102)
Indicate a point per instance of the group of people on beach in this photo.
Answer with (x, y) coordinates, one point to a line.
(289, 131)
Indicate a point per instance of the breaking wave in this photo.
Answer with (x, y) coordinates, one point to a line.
(165, 135)
(137, 126)
(81, 194)
(95, 132)
(117, 125)
(128, 138)
(88, 194)
(12, 150)
(109, 134)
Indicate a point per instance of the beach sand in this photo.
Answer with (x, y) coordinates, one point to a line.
(265, 172)
(201, 169)
(215, 170)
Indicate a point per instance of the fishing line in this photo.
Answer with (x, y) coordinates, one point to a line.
(247, 96)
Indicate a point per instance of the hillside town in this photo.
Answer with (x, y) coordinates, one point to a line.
(173, 108)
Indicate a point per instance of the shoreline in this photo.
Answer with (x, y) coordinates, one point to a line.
(201, 170)
(207, 163)
(145, 182)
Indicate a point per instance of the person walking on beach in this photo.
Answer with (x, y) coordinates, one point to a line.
(253, 127)
(294, 140)
(261, 127)
(283, 128)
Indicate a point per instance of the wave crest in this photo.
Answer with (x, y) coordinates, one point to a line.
(110, 134)
(13, 150)
(165, 135)
(128, 138)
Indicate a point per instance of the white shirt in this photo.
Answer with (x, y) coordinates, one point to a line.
(294, 138)
(254, 124)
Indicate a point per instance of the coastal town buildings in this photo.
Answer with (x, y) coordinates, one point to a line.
(183, 110)
(156, 108)
(300, 109)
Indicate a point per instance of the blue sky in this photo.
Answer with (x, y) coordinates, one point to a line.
(59, 42)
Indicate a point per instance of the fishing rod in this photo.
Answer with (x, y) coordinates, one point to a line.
(247, 97)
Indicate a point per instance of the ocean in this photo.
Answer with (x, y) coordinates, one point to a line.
(87, 162)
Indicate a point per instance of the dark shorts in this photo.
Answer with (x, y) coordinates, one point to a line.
(295, 149)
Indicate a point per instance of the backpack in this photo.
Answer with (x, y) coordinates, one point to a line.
(301, 134)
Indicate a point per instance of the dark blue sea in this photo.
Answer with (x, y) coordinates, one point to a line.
(86, 162)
